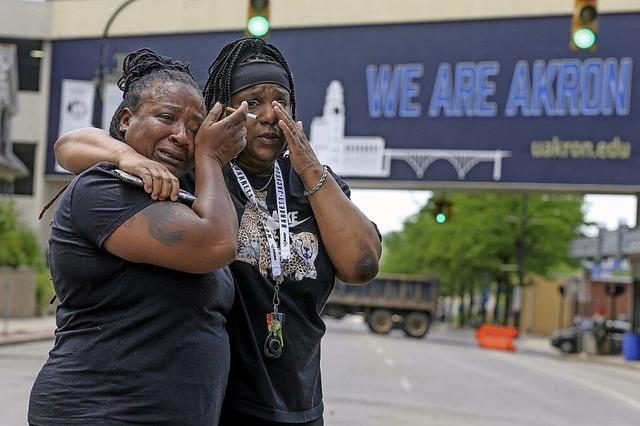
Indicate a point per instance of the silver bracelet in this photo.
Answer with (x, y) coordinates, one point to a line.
(325, 171)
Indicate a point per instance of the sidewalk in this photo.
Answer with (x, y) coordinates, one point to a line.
(22, 330)
(530, 343)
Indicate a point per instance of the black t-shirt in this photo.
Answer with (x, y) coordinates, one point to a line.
(135, 343)
(287, 389)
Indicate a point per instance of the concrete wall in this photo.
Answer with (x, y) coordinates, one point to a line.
(87, 18)
(25, 19)
(17, 293)
(30, 125)
(83, 18)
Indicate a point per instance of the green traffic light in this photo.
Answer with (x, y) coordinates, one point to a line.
(441, 218)
(258, 26)
(584, 38)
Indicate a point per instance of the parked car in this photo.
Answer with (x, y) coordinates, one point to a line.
(569, 340)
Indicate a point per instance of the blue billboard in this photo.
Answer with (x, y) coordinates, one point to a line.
(499, 104)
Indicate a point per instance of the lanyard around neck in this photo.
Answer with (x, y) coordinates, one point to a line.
(284, 251)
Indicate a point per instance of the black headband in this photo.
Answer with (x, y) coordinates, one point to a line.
(258, 72)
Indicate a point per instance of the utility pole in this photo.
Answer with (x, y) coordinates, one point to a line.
(562, 291)
(520, 255)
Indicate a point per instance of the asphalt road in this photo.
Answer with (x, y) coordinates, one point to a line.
(446, 380)
(441, 380)
(19, 365)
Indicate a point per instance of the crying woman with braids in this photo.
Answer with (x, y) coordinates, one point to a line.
(298, 231)
(143, 284)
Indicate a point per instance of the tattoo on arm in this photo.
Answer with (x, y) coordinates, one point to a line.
(164, 223)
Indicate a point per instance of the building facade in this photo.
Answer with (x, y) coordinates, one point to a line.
(49, 36)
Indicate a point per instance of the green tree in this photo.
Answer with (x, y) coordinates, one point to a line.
(18, 245)
(480, 242)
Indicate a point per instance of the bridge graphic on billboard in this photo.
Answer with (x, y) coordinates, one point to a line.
(366, 156)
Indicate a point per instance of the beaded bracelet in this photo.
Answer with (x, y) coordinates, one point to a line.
(319, 184)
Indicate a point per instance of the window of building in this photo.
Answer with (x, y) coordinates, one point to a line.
(4, 116)
(29, 54)
(26, 152)
(6, 187)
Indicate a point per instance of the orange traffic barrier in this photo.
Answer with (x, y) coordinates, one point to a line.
(493, 336)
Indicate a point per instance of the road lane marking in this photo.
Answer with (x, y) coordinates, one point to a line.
(405, 384)
(389, 362)
(569, 377)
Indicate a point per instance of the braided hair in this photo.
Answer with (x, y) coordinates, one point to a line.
(141, 71)
(218, 86)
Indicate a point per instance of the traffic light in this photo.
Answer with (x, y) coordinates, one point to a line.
(584, 25)
(442, 210)
(258, 18)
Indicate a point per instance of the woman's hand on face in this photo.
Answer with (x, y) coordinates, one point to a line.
(303, 159)
(158, 180)
(224, 139)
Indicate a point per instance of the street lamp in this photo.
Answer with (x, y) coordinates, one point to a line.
(102, 60)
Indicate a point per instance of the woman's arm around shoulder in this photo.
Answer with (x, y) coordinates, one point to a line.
(80, 149)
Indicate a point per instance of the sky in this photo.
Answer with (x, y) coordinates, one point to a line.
(389, 208)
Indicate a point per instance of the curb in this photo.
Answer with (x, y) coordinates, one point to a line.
(616, 361)
(14, 339)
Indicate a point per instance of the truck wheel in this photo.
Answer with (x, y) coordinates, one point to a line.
(335, 312)
(380, 321)
(416, 324)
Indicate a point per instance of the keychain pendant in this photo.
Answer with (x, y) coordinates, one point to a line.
(274, 343)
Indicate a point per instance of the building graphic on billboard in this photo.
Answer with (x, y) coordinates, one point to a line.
(366, 156)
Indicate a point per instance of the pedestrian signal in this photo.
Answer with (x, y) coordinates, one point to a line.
(258, 18)
(584, 25)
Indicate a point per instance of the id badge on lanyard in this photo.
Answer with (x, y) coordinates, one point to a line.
(274, 342)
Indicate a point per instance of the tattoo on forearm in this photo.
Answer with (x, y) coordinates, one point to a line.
(164, 223)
